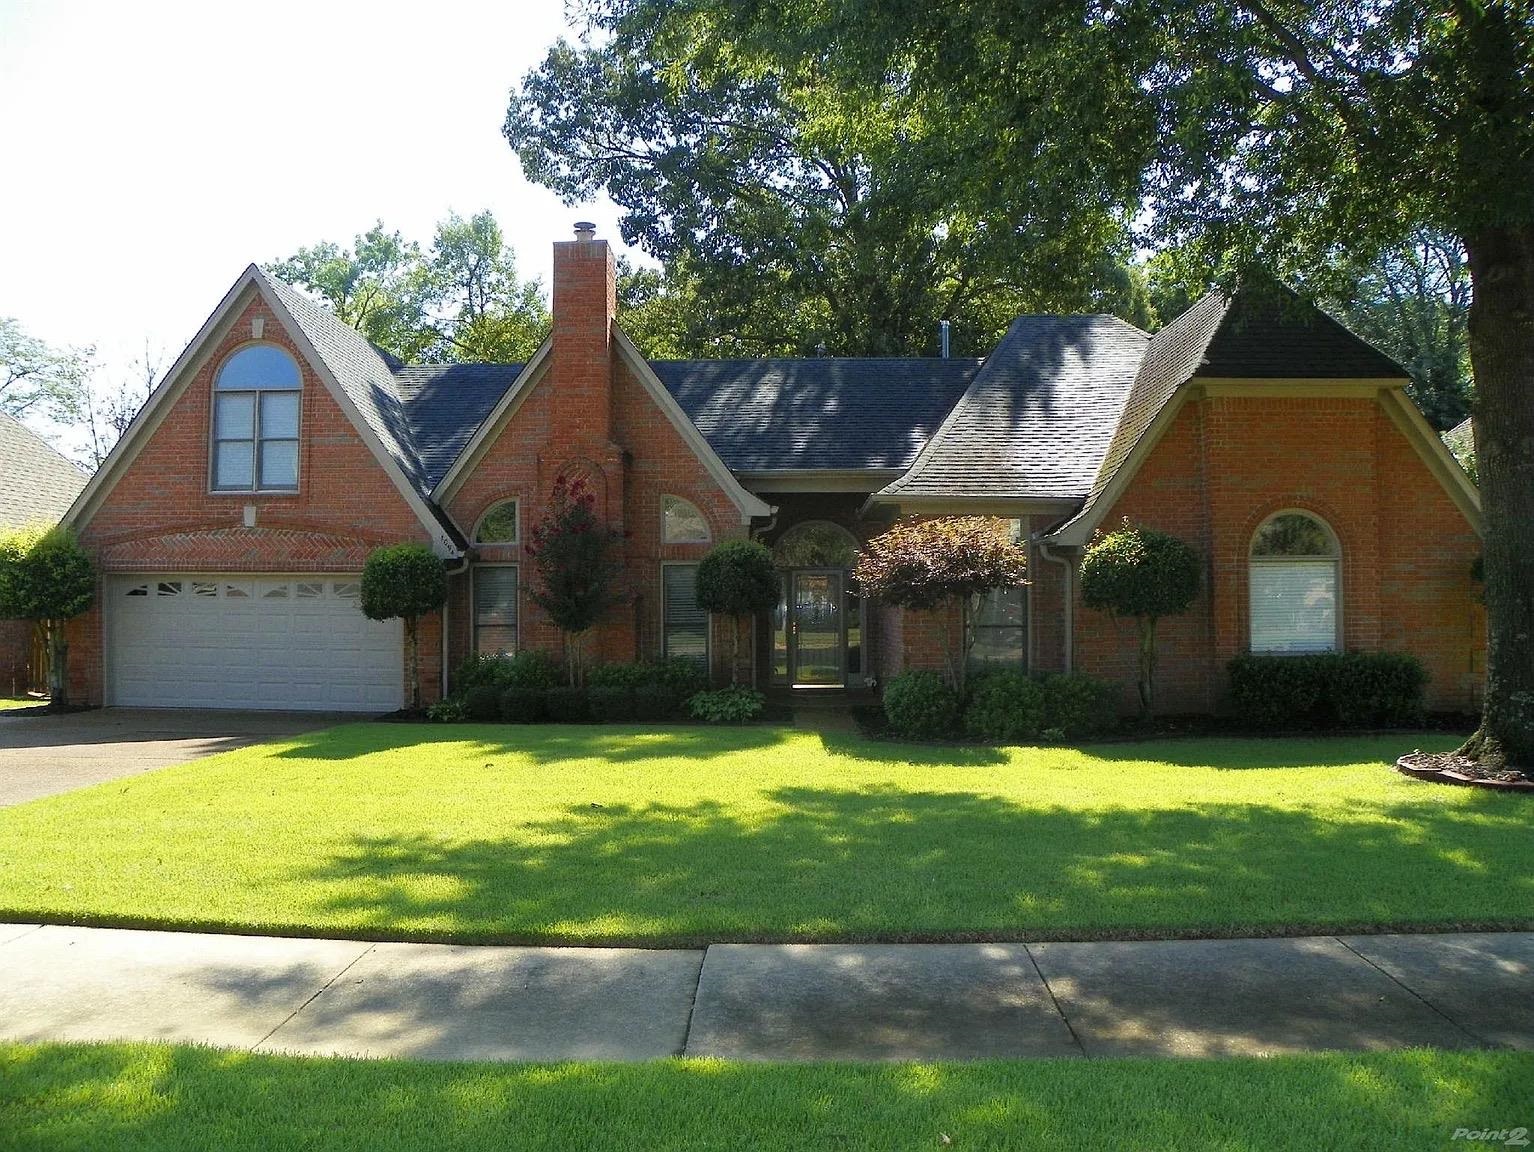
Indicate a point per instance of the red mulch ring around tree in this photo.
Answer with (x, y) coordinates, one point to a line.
(1449, 768)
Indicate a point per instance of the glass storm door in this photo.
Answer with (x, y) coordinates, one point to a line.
(817, 624)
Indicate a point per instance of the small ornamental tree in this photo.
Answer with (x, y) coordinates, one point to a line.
(576, 563)
(738, 579)
(405, 582)
(46, 576)
(945, 564)
(1146, 574)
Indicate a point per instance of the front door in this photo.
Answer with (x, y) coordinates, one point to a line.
(817, 630)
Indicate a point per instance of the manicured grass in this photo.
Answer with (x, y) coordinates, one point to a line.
(571, 834)
(9, 702)
(163, 1098)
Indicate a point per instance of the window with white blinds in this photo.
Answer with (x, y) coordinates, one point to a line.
(684, 626)
(495, 609)
(1294, 573)
(1294, 606)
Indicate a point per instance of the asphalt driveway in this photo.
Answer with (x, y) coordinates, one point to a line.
(41, 755)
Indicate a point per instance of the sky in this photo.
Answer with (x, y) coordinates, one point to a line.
(150, 150)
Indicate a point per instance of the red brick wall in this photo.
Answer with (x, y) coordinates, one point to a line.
(1228, 463)
(161, 516)
(551, 434)
(15, 655)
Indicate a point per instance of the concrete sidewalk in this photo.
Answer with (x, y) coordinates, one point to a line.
(769, 1002)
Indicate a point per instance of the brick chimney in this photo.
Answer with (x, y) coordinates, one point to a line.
(585, 302)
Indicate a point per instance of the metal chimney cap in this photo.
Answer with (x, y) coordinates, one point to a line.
(585, 230)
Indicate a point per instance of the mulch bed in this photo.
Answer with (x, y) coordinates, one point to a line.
(1450, 768)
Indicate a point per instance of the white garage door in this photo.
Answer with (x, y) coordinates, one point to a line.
(280, 642)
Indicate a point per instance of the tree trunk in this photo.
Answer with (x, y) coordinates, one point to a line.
(1147, 667)
(412, 661)
(58, 664)
(1502, 356)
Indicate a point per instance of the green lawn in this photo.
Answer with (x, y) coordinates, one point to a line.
(570, 834)
(159, 1097)
(9, 702)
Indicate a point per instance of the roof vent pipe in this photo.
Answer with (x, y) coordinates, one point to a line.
(585, 230)
(942, 329)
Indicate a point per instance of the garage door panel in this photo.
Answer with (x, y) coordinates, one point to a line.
(249, 642)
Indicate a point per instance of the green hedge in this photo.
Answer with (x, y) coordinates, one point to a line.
(1328, 690)
(921, 704)
(1012, 706)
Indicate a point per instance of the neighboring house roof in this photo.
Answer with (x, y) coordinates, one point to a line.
(37, 482)
(1245, 335)
(1036, 419)
(821, 413)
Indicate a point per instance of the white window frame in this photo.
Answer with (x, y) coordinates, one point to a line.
(479, 524)
(1334, 561)
(708, 617)
(708, 529)
(516, 604)
(214, 440)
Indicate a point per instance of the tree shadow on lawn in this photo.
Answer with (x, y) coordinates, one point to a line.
(1317, 750)
(71, 1096)
(889, 864)
(553, 743)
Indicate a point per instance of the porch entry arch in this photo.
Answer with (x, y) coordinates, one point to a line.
(818, 629)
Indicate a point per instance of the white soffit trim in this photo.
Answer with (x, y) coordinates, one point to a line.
(748, 504)
(492, 424)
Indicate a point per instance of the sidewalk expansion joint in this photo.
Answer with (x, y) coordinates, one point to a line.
(286, 1020)
(692, 1004)
(1415, 995)
(1055, 1000)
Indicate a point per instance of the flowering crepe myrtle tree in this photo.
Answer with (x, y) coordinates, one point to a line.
(945, 564)
(576, 564)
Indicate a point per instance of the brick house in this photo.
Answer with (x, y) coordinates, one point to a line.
(37, 486)
(232, 522)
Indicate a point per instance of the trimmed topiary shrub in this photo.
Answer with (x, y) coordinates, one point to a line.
(1327, 689)
(405, 582)
(733, 705)
(921, 704)
(567, 705)
(523, 705)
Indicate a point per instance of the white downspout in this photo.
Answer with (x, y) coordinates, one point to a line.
(1070, 607)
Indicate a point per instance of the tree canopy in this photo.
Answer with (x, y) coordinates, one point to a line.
(458, 300)
(1283, 133)
(796, 210)
(40, 380)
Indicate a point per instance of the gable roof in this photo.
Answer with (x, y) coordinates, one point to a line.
(821, 413)
(37, 482)
(1274, 335)
(444, 404)
(1037, 417)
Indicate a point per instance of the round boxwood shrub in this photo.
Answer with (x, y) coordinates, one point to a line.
(523, 705)
(611, 702)
(482, 703)
(921, 704)
(567, 705)
(1005, 705)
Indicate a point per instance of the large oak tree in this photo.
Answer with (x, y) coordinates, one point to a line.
(1293, 133)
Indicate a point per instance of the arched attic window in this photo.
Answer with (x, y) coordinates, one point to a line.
(682, 522)
(256, 398)
(499, 525)
(1295, 575)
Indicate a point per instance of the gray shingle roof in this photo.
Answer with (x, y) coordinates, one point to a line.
(1037, 417)
(822, 412)
(1268, 335)
(362, 373)
(37, 484)
(445, 404)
